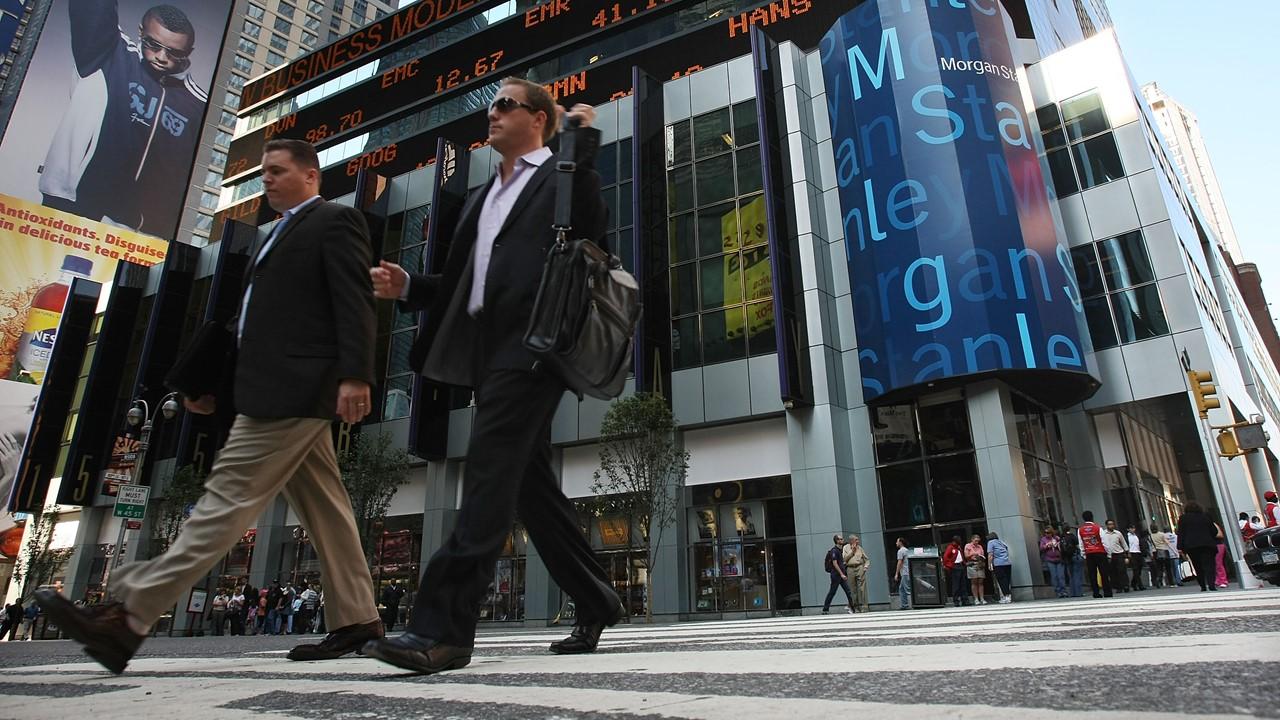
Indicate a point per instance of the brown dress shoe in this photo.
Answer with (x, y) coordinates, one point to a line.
(102, 629)
(586, 636)
(339, 642)
(418, 654)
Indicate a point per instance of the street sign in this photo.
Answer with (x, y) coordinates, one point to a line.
(131, 501)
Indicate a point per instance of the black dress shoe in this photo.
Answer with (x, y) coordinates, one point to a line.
(418, 654)
(102, 629)
(586, 636)
(339, 642)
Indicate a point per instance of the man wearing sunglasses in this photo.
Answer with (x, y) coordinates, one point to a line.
(123, 150)
(483, 300)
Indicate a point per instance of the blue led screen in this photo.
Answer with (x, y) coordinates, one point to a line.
(953, 259)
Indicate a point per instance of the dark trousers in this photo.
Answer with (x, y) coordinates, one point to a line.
(1098, 565)
(237, 622)
(959, 584)
(1205, 561)
(838, 581)
(1135, 571)
(389, 615)
(1004, 576)
(509, 473)
(219, 619)
(1120, 578)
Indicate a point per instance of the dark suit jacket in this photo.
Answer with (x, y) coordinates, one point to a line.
(464, 347)
(310, 320)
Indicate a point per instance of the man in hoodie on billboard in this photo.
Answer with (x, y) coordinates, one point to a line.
(123, 150)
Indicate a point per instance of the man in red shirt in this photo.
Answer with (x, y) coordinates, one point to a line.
(1271, 513)
(953, 563)
(1095, 555)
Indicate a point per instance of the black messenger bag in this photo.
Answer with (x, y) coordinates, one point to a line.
(584, 318)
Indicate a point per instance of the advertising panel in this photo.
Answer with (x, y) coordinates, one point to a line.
(955, 263)
(97, 160)
(109, 116)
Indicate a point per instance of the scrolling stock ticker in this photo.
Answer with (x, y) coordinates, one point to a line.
(956, 267)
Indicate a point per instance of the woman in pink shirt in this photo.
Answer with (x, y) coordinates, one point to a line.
(975, 560)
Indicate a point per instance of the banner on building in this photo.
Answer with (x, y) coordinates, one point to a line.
(97, 161)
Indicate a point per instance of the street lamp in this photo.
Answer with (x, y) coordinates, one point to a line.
(140, 414)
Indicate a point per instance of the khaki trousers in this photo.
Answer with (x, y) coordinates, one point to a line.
(262, 458)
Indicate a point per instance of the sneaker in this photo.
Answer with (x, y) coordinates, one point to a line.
(849, 610)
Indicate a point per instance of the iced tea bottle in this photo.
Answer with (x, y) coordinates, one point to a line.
(35, 346)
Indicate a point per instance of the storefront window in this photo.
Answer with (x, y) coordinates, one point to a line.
(504, 601)
(742, 553)
(1048, 484)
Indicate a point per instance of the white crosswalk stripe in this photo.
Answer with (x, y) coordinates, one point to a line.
(1044, 659)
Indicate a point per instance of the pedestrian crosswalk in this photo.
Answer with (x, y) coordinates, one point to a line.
(1208, 655)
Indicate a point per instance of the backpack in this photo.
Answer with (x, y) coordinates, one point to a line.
(1068, 546)
(828, 561)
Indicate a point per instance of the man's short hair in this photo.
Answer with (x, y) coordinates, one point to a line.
(302, 152)
(540, 99)
(173, 20)
(837, 537)
(1087, 516)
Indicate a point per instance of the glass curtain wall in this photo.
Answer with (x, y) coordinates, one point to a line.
(721, 279)
(928, 478)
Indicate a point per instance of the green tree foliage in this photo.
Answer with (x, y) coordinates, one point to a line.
(39, 562)
(184, 489)
(641, 474)
(372, 471)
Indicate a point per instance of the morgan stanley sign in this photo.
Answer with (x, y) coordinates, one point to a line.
(956, 268)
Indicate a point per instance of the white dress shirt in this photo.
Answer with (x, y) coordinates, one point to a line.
(262, 252)
(1114, 542)
(493, 214)
(1135, 544)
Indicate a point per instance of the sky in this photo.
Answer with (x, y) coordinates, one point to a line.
(1219, 60)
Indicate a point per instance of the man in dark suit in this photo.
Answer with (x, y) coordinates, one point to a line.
(483, 300)
(305, 335)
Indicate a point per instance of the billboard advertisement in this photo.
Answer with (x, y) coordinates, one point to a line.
(956, 268)
(108, 120)
(97, 159)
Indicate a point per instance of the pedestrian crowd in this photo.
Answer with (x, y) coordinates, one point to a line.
(277, 610)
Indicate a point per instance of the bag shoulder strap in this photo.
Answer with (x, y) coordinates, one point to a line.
(565, 168)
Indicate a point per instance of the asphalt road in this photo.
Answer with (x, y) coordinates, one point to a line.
(1152, 654)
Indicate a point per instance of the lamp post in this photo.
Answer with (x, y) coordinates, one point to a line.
(140, 414)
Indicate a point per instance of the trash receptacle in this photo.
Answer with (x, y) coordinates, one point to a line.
(927, 588)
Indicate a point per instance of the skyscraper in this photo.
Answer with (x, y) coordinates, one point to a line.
(1181, 130)
(264, 35)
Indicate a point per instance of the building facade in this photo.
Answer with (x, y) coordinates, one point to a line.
(751, 204)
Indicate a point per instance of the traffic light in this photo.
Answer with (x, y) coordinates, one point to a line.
(1227, 445)
(1203, 388)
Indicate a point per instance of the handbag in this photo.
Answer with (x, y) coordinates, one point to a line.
(585, 314)
(205, 366)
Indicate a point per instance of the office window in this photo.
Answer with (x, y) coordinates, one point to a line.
(721, 278)
(339, 6)
(243, 64)
(274, 59)
(315, 7)
(208, 200)
(231, 99)
(1080, 148)
(247, 46)
(282, 25)
(256, 11)
(285, 9)
(222, 138)
(279, 43)
(227, 119)
(311, 23)
(236, 81)
(1121, 298)
(218, 159)
(309, 39)
(252, 29)
(204, 222)
(212, 178)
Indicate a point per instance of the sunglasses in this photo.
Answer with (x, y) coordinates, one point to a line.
(154, 46)
(505, 105)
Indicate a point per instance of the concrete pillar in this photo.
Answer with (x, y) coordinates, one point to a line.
(1260, 474)
(267, 544)
(1003, 480)
(1084, 462)
(81, 562)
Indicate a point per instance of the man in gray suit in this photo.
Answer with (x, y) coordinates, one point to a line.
(305, 334)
